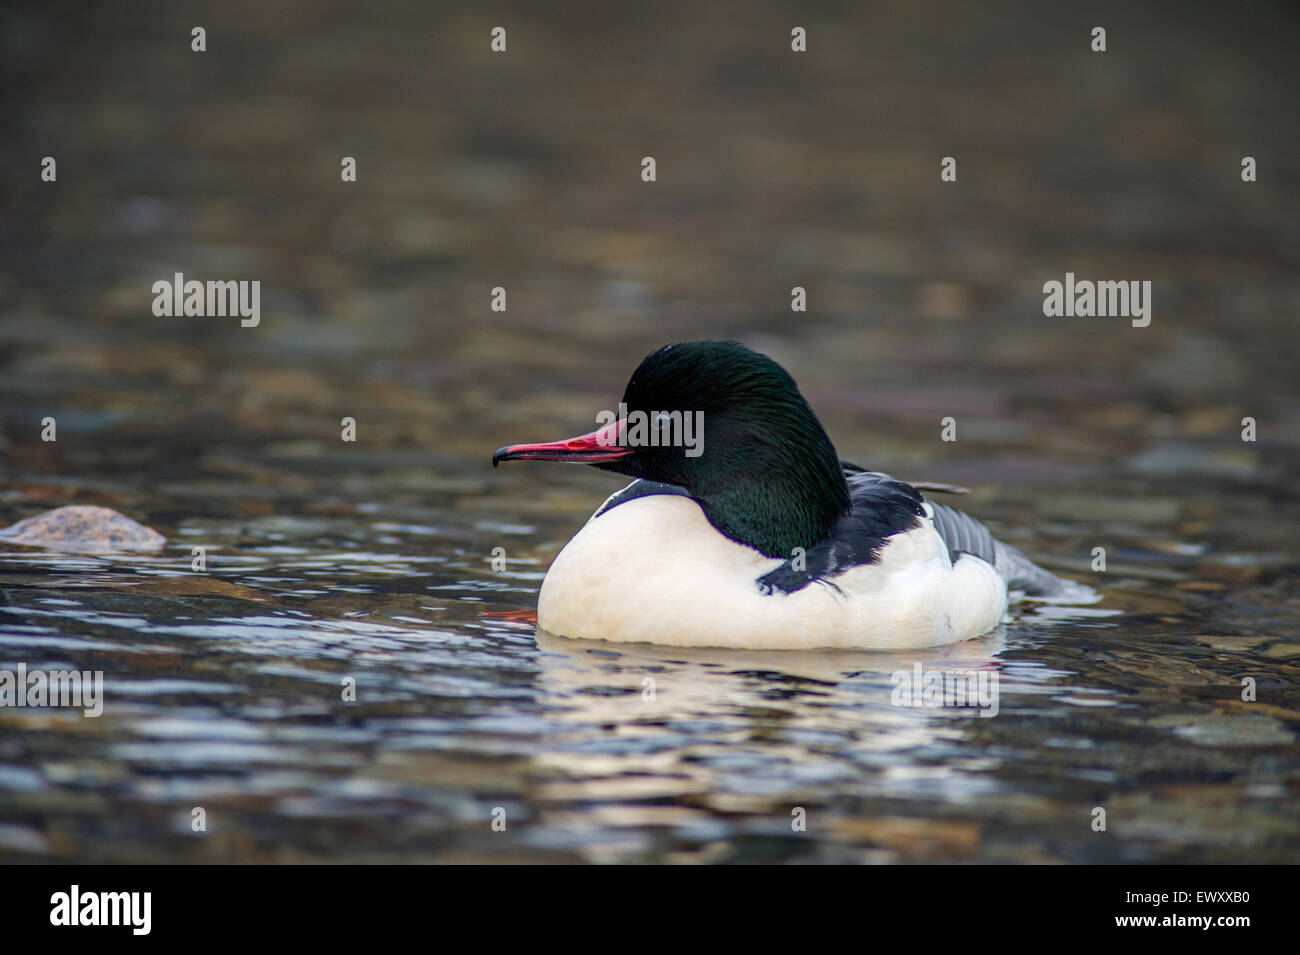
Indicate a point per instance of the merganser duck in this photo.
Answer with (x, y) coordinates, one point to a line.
(759, 536)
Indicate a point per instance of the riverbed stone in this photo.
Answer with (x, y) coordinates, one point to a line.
(83, 528)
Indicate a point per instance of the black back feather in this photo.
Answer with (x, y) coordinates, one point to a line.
(879, 508)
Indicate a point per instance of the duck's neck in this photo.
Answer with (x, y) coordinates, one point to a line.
(790, 504)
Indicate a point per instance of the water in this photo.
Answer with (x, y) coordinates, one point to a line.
(373, 561)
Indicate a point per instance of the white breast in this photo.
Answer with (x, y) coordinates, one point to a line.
(655, 570)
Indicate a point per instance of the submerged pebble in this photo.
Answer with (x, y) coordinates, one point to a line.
(83, 529)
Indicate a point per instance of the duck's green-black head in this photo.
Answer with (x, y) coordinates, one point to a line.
(730, 426)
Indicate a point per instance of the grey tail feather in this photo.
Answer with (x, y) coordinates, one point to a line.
(1023, 574)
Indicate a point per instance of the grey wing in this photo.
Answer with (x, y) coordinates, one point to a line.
(962, 534)
(965, 535)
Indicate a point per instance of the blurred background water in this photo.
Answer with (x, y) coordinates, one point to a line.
(372, 559)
